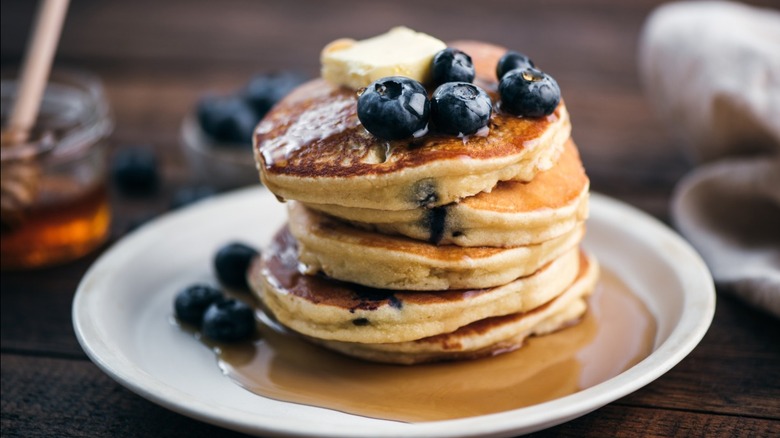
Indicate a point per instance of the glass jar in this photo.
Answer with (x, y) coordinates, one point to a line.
(54, 196)
(223, 166)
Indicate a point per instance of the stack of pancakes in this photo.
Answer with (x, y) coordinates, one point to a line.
(433, 248)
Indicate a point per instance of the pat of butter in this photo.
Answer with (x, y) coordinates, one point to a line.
(399, 52)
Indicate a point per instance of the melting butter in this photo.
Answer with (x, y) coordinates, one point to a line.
(399, 52)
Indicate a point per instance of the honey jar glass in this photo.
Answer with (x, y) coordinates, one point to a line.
(54, 196)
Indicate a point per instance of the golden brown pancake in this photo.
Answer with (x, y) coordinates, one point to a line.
(312, 148)
(512, 214)
(485, 337)
(325, 308)
(426, 249)
(347, 253)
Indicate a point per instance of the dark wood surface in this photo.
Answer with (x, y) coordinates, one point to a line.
(156, 58)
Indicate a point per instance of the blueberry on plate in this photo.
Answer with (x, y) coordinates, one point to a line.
(460, 108)
(451, 65)
(135, 171)
(529, 92)
(227, 119)
(228, 320)
(264, 90)
(512, 61)
(232, 262)
(191, 302)
(394, 108)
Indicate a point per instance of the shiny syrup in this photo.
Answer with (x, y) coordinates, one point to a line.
(616, 333)
(67, 221)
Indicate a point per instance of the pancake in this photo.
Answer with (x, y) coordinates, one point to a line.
(311, 147)
(321, 307)
(347, 253)
(486, 337)
(512, 214)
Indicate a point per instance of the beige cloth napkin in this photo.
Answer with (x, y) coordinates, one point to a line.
(712, 72)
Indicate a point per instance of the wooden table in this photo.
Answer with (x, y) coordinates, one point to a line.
(156, 58)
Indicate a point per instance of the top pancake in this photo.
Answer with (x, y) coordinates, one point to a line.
(311, 147)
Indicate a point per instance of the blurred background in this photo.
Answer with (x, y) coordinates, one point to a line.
(157, 58)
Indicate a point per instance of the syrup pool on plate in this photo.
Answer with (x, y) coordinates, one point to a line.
(616, 333)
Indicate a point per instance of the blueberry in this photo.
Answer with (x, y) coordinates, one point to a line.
(512, 61)
(191, 302)
(394, 108)
(529, 92)
(264, 90)
(135, 170)
(227, 119)
(190, 195)
(232, 262)
(228, 320)
(452, 65)
(460, 108)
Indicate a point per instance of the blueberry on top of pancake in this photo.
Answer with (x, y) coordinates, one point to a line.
(312, 147)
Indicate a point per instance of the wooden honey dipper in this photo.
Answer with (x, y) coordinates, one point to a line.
(21, 173)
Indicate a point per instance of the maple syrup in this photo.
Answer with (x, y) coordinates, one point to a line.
(66, 222)
(54, 200)
(616, 333)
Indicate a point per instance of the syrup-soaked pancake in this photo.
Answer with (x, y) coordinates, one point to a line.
(324, 308)
(347, 253)
(514, 213)
(486, 337)
(311, 147)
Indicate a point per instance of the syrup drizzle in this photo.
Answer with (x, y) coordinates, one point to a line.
(616, 333)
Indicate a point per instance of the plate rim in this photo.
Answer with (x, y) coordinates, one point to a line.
(694, 321)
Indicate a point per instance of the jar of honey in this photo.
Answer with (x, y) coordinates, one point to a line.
(54, 196)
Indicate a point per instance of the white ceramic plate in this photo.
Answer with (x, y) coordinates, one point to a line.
(122, 308)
